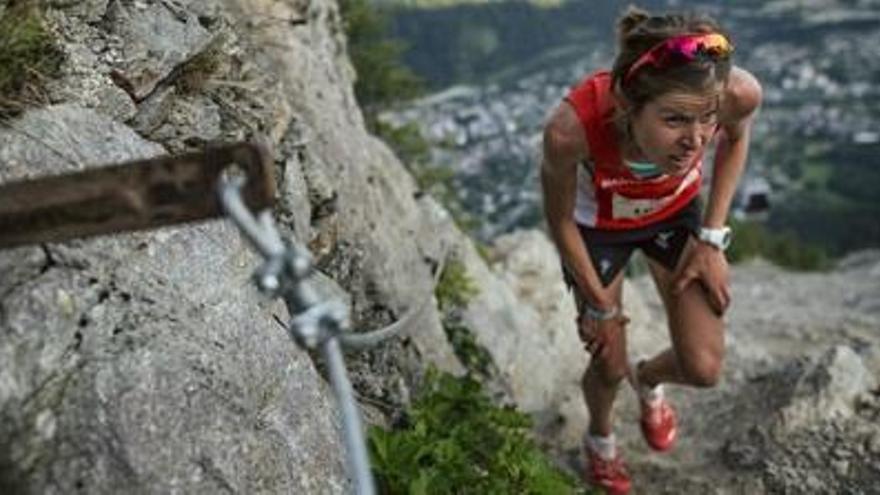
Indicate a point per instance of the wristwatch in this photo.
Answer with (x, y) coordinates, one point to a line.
(598, 314)
(720, 238)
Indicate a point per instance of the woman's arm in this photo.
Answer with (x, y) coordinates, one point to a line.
(706, 263)
(564, 148)
(741, 104)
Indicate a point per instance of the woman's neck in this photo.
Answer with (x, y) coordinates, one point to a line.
(630, 151)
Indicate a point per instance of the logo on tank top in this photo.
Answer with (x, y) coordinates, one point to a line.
(604, 266)
(662, 239)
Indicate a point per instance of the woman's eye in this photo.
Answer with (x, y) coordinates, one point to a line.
(675, 120)
(709, 117)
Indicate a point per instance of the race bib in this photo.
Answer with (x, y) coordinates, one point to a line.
(623, 207)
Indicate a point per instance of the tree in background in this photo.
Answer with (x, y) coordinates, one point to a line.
(382, 78)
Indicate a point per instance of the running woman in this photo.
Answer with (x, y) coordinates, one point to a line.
(622, 170)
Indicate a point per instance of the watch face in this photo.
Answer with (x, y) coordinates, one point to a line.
(719, 238)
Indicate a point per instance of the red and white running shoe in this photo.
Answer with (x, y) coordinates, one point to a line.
(658, 419)
(608, 475)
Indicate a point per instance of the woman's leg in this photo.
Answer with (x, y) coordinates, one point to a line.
(604, 374)
(696, 331)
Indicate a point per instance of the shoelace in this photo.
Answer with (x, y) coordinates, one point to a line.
(658, 412)
(608, 468)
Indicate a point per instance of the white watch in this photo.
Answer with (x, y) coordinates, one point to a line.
(720, 238)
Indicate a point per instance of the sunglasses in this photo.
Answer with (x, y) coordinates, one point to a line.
(683, 49)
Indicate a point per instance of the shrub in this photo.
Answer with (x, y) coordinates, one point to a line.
(456, 288)
(457, 442)
(406, 141)
(382, 78)
(28, 56)
(474, 357)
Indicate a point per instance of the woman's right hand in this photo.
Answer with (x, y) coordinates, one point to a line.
(599, 336)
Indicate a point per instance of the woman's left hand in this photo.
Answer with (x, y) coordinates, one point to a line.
(707, 265)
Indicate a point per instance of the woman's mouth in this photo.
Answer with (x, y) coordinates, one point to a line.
(685, 158)
(680, 163)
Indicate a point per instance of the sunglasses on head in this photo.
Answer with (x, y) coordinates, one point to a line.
(683, 49)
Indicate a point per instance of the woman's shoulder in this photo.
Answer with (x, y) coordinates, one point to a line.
(742, 95)
(564, 134)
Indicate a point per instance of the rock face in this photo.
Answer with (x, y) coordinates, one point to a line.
(147, 363)
(117, 371)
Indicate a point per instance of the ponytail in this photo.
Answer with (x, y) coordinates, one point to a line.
(629, 21)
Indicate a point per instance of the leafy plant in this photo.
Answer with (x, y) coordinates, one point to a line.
(382, 78)
(456, 288)
(28, 56)
(469, 352)
(382, 81)
(457, 442)
(406, 141)
(454, 292)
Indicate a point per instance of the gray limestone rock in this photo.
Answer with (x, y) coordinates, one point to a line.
(87, 10)
(156, 39)
(63, 138)
(85, 72)
(827, 389)
(147, 362)
(294, 205)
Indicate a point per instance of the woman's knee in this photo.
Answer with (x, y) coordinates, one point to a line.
(608, 369)
(702, 369)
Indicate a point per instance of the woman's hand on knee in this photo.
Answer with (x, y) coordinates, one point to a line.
(601, 336)
(708, 266)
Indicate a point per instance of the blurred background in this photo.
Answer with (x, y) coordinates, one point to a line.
(463, 89)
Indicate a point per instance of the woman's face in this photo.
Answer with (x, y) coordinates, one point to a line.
(673, 129)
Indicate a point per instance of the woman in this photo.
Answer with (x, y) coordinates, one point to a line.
(622, 170)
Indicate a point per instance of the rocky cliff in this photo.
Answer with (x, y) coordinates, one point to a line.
(148, 363)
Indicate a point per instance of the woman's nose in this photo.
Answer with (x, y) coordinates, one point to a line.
(692, 136)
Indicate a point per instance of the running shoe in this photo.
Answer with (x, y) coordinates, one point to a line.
(658, 419)
(608, 475)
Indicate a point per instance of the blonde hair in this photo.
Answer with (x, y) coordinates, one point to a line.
(637, 32)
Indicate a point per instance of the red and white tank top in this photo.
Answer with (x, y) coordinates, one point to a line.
(609, 195)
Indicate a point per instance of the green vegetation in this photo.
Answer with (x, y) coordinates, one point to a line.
(752, 239)
(457, 442)
(28, 57)
(456, 288)
(454, 439)
(382, 79)
(474, 357)
(831, 206)
(438, 181)
(454, 292)
(406, 141)
(477, 42)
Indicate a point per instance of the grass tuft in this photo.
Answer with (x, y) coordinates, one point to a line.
(29, 57)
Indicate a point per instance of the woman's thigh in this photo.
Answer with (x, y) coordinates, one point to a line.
(696, 331)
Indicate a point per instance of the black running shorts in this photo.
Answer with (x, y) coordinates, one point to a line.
(663, 242)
